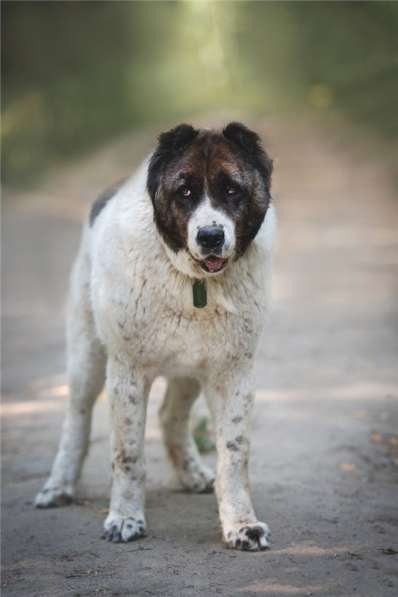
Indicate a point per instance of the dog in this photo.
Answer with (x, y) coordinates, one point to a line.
(172, 278)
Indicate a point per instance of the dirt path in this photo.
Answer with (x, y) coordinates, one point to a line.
(325, 458)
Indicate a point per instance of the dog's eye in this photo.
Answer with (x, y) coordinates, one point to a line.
(185, 192)
(232, 191)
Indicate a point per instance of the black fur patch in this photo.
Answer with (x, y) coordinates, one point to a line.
(102, 201)
(250, 143)
(170, 222)
(171, 145)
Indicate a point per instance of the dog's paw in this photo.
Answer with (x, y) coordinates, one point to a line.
(197, 478)
(52, 496)
(121, 529)
(250, 537)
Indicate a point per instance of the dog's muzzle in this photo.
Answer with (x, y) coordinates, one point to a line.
(210, 239)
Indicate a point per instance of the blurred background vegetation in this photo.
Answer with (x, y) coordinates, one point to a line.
(76, 74)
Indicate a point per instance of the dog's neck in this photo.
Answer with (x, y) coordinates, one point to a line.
(183, 280)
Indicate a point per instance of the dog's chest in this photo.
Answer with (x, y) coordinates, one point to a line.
(157, 325)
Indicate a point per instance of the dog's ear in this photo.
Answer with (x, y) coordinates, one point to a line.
(250, 144)
(171, 144)
(177, 138)
(242, 136)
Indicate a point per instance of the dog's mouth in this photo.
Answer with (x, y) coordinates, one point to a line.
(213, 264)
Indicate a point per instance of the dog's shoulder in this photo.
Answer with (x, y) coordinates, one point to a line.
(102, 200)
(131, 189)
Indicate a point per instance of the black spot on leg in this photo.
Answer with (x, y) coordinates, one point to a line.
(133, 399)
(254, 533)
(129, 460)
(240, 439)
(237, 420)
(232, 446)
(123, 460)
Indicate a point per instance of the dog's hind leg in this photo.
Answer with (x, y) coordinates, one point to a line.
(174, 416)
(86, 363)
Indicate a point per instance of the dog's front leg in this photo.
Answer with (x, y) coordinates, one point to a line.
(128, 392)
(231, 406)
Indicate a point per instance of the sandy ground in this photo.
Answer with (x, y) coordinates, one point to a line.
(325, 446)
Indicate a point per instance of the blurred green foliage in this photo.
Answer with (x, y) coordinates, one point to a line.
(77, 73)
(203, 435)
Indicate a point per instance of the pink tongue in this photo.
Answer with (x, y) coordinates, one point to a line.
(214, 263)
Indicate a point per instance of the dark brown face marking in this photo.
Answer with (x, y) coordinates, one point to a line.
(230, 167)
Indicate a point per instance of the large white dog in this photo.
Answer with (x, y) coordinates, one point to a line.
(172, 279)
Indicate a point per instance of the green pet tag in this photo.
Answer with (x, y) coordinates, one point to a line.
(199, 292)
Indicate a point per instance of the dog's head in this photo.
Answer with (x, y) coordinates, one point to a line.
(210, 192)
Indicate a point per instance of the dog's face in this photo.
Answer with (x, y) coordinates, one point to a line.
(210, 193)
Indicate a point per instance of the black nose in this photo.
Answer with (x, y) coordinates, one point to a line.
(210, 237)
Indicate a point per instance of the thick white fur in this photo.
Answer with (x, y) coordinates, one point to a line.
(131, 311)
